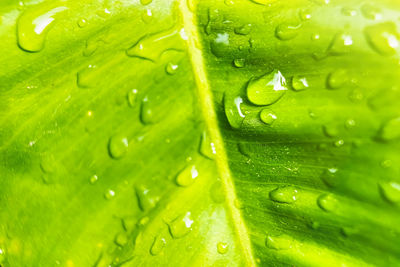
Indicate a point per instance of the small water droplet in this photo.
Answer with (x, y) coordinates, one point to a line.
(350, 123)
(217, 193)
(287, 31)
(34, 24)
(267, 89)
(171, 68)
(299, 83)
(370, 11)
(239, 62)
(327, 202)
(181, 226)
(356, 95)
(82, 22)
(147, 16)
(341, 44)
(338, 143)
(315, 36)
(87, 77)
(305, 14)
(390, 130)
(48, 163)
(330, 130)
(383, 37)
(315, 225)
(286, 194)
(109, 194)
(121, 239)
(390, 191)
(147, 114)
(329, 177)
(118, 146)
(229, 2)
(279, 242)
(207, 147)
(131, 97)
(337, 79)
(187, 176)
(93, 179)
(233, 110)
(158, 245)
(145, 199)
(145, 2)
(267, 116)
(349, 11)
(243, 30)
(222, 247)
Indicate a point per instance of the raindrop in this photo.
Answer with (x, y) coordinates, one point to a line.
(371, 12)
(243, 30)
(131, 97)
(299, 83)
(109, 194)
(121, 239)
(341, 44)
(82, 23)
(118, 146)
(222, 247)
(181, 226)
(390, 191)
(239, 62)
(390, 130)
(330, 130)
(87, 77)
(34, 24)
(93, 179)
(286, 31)
(327, 202)
(207, 147)
(145, 199)
(286, 194)
(187, 176)
(145, 2)
(233, 110)
(329, 177)
(279, 242)
(383, 37)
(267, 89)
(348, 11)
(267, 116)
(171, 68)
(305, 14)
(158, 245)
(147, 16)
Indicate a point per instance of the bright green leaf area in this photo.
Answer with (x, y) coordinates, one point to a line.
(199, 133)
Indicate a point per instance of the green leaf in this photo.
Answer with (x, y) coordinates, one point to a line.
(199, 133)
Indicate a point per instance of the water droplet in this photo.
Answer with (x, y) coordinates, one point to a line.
(337, 79)
(131, 97)
(356, 95)
(229, 2)
(330, 130)
(145, 2)
(181, 226)
(286, 194)
(390, 130)
(341, 44)
(315, 225)
(338, 143)
(109, 194)
(217, 193)
(207, 147)
(327, 202)
(315, 36)
(147, 16)
(121, 239)
(329, 177)
(233, 110)
(350, 123)
(171, 68)
(48, 163)
(239, 62)
(390, 191)
(87, 77)
(287, 31)
(129, 224)
(267, 116)
(243, 30)
(158, 245)
(383, 37)
(222, 247)
(267, 89)
(145, 199)
(118, 146)
(147, 114)
(187, 176)
(305, 14)
(34, 24)
(82, 23)
(299, 83)
(151, 46)
(321, 2)
(348, 11)
(93, 179)
(371, 12)
(279, 242)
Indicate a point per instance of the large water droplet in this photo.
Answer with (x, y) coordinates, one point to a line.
(279, 242)
(390, 130)
(337, 79)
(147, 16)
(286, 194)
(147, 114)
(118, 146)
(222, 247)
(383, 37)
(267, 89)
(145, 2)
(187, 176)
(145, 199)
(390, 191)
(299, 83)
(327, 202)
(152, 46)
(370, 11)
(181, 226)
(267, 116)
(34, 24)
(158, 245)
(287, 31)
(207, 147)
